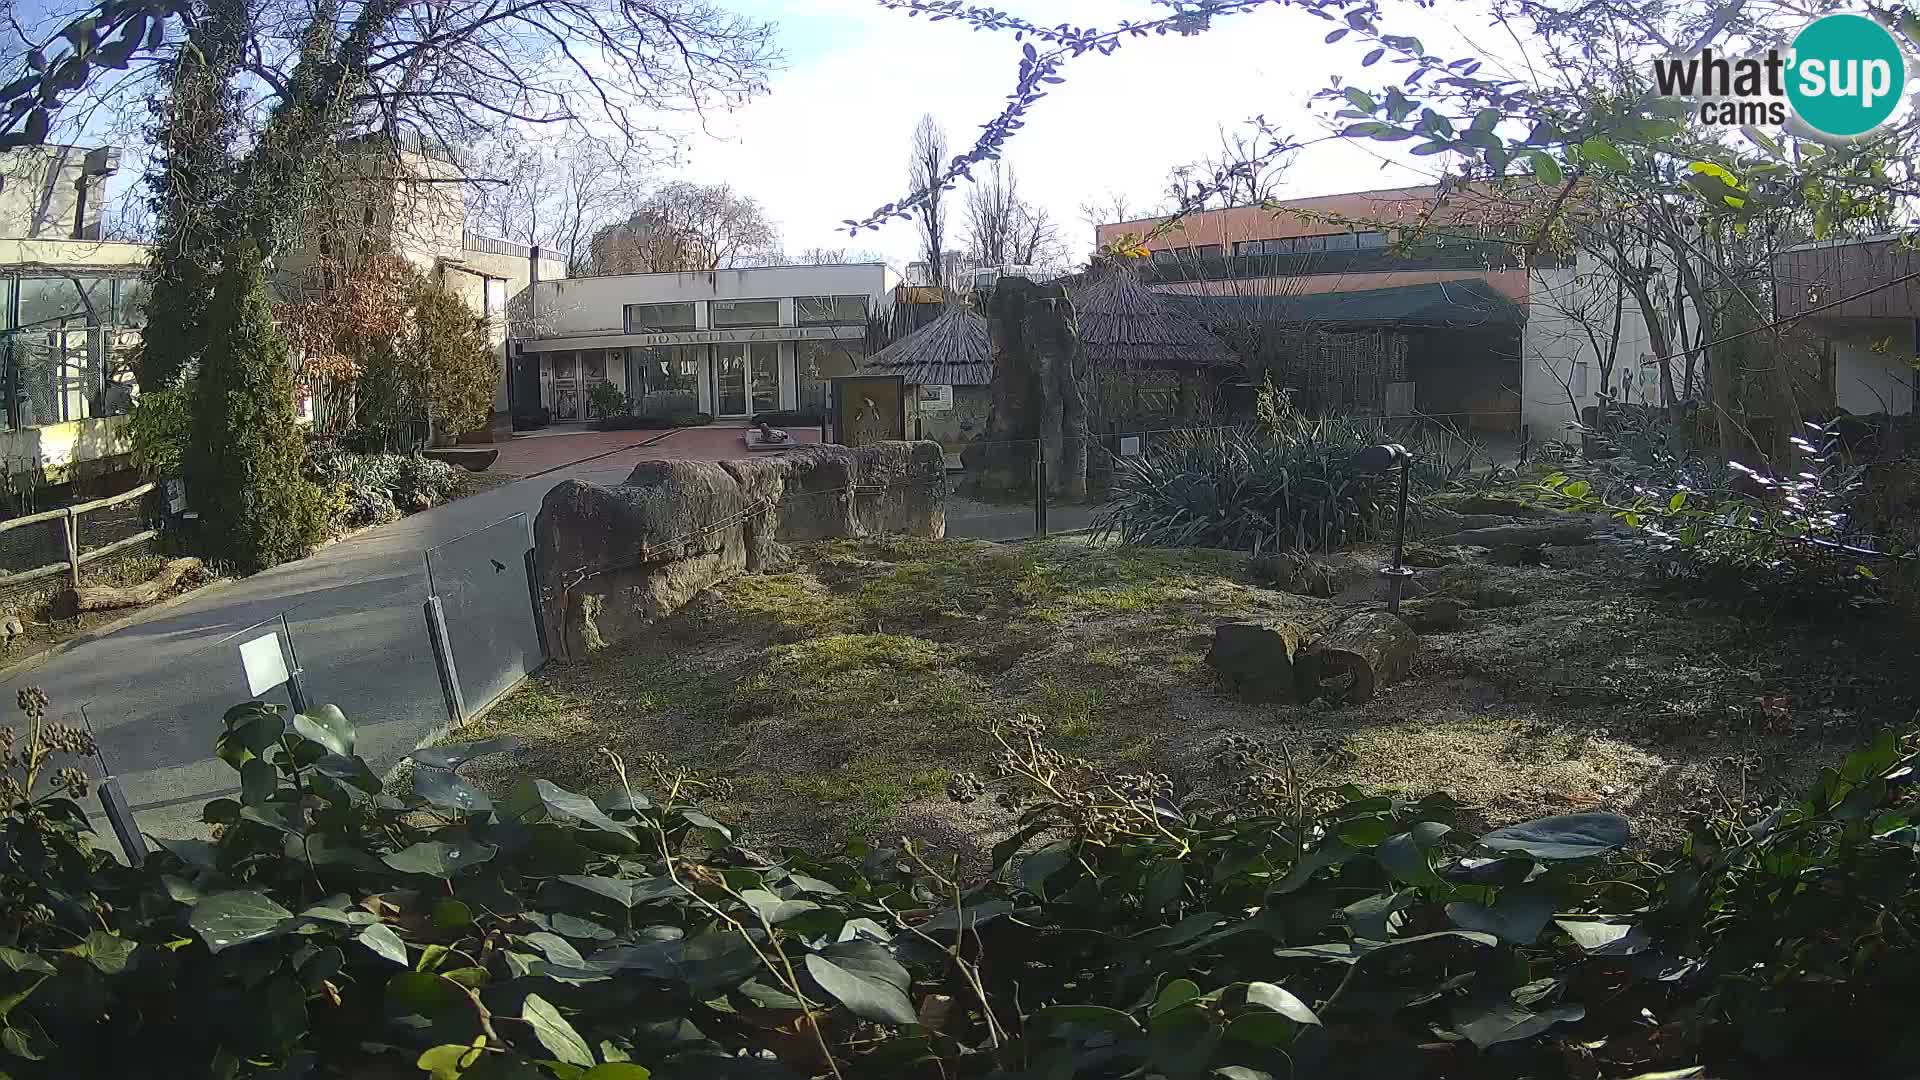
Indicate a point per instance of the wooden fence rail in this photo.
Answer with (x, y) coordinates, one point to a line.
(69, 518)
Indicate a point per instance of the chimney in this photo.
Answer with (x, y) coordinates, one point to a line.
(533, 265)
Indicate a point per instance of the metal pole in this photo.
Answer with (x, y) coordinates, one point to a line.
(296, 690)
(113, 802)
(1039, 488)
(1399, 579)
(443, 660)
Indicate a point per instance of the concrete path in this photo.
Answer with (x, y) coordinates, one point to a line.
(154, 692)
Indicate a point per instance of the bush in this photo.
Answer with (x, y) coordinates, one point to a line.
(160, 427)
(652, 422)
(331, 928)
(1294, 484)
(1787, 547)
(377, 488)
(245, 465)
(668, 403)
(607, 400)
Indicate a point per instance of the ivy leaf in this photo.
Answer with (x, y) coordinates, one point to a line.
(447, 1062)
(327, 726)
(1505, 1021)
(445, 789)
(1269, 996)
(555, 1033)
(563, 803)
(1166, 880)
(441, 858)
(1428, 149)
(1606, 938)
(774, 910)
(257, 781)
(226, 919)
(384, 942)
(452, 757)
(864, 976)
(1562, 836)
(1036, 868)
(1404, 858)
(1516, 918)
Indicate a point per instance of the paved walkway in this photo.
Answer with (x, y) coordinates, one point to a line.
(155, 691)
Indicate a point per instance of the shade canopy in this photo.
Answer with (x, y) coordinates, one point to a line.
(1125, 325)
(952, 350)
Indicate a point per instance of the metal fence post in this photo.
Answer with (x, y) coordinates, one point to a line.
(533, 594)
(443, 660)
(296, 689)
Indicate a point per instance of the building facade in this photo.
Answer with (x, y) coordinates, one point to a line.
(71, 309)
(729, 343)
(1862, 297)
(1432, 271)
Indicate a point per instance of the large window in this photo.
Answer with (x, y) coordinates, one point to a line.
(665, 379)
(831, 310)
(66, 359)
(816, 363)
(736, 314)
(659, 318)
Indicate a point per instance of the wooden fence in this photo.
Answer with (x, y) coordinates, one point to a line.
(69, 517)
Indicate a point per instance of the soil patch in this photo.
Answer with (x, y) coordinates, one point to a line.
(837, 696)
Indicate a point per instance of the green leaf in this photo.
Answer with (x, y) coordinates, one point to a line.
(555, 1033)
(812, 884)
(701, 821)
(420, 993)
(441, 858)
(449, 1061)
(384, 942)
(1175, 994)
(1361, 99)
(1484, 120)
(18, 961)
(108, 953)
(1505, 1021)
(1601, 151)
(1188, 929)
(1372, 918)
(1090, 1016)
(1269, 996)
(445, 789)
(1545, 168)
(626, 892)
(327, 726)
(226, 919)
(774, 910)
(563, 803)
(1403, 857)
(1563, 836)
(1606, 938)
(1363, 832)
(617, 1070)
(1165, 881)
(257, 781)
(1240, 1072)
(1516, 918)
(450, 914)
(864, 976)
(454, 755)
(1428, 149)
(1036, 868)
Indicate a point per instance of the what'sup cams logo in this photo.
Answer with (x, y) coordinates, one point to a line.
(1843, 77)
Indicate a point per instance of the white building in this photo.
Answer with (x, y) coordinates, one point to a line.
(730, 343)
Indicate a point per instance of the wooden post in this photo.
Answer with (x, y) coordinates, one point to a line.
(72, 526)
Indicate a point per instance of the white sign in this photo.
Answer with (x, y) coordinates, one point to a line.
(176, 496)
(936, 399)
(1129, 446)
(265, 664)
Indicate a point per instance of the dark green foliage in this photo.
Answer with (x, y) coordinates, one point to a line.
(372, 489)
(332, 928)
(607, 400)
(245, 466)
(652, 421)
(1292, 483)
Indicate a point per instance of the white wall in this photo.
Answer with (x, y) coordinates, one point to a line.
(40, 191)
(1872, 366)
(584, 307)
(1558, 355)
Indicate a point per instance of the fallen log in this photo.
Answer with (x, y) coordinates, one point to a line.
(1524, 536)
(109, 597)
(1257, 659)
(1432, 613)
(1358, 656)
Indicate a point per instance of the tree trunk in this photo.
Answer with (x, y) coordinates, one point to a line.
(109, 597)
(1357, 657)
(1257, 659)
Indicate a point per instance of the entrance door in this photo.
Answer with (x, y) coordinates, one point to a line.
(566, 387)
(746, 379)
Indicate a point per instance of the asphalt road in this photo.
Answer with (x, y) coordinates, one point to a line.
(155, 691)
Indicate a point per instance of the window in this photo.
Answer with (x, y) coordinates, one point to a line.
(1310, 243)
(658, 318)
(743, 313)
(65, 301)
(130, 302)
(1579, 380)
(1340, 242)
(1165, 258)
(664, 379)
(1208, 251)
(1250, 247)
(1368, 241)
(831, 310)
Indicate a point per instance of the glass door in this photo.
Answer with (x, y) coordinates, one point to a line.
(763, 370)
(730, 380)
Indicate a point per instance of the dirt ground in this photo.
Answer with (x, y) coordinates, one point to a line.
(838, 697)
(36, 604)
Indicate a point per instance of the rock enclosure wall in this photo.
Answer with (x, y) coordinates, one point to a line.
(611, 560)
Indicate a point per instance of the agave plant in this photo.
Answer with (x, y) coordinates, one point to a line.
(1294, 484)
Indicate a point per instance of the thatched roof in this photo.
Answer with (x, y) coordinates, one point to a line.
(1124, 324)
(952, 350)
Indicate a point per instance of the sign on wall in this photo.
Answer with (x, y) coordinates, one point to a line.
(936, 399)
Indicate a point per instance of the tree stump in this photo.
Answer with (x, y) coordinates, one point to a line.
(1357, 657)
(1257, 659)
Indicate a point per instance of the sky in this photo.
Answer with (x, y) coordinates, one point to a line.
(831, 140)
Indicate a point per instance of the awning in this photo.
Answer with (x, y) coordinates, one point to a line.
(1440, 304)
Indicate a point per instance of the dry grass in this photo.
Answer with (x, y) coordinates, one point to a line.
(837, 696)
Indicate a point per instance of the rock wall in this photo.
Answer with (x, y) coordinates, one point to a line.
(611, 560)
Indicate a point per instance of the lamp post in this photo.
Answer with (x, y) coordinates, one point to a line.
(1378, 461)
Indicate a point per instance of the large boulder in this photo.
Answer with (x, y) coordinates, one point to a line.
(835, 492)
(613, 559)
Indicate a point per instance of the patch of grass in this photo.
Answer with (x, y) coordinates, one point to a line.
(1070, 710)
(862, 793)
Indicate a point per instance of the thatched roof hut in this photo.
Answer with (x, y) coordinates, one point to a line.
(1126, 326)
(952, 350)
